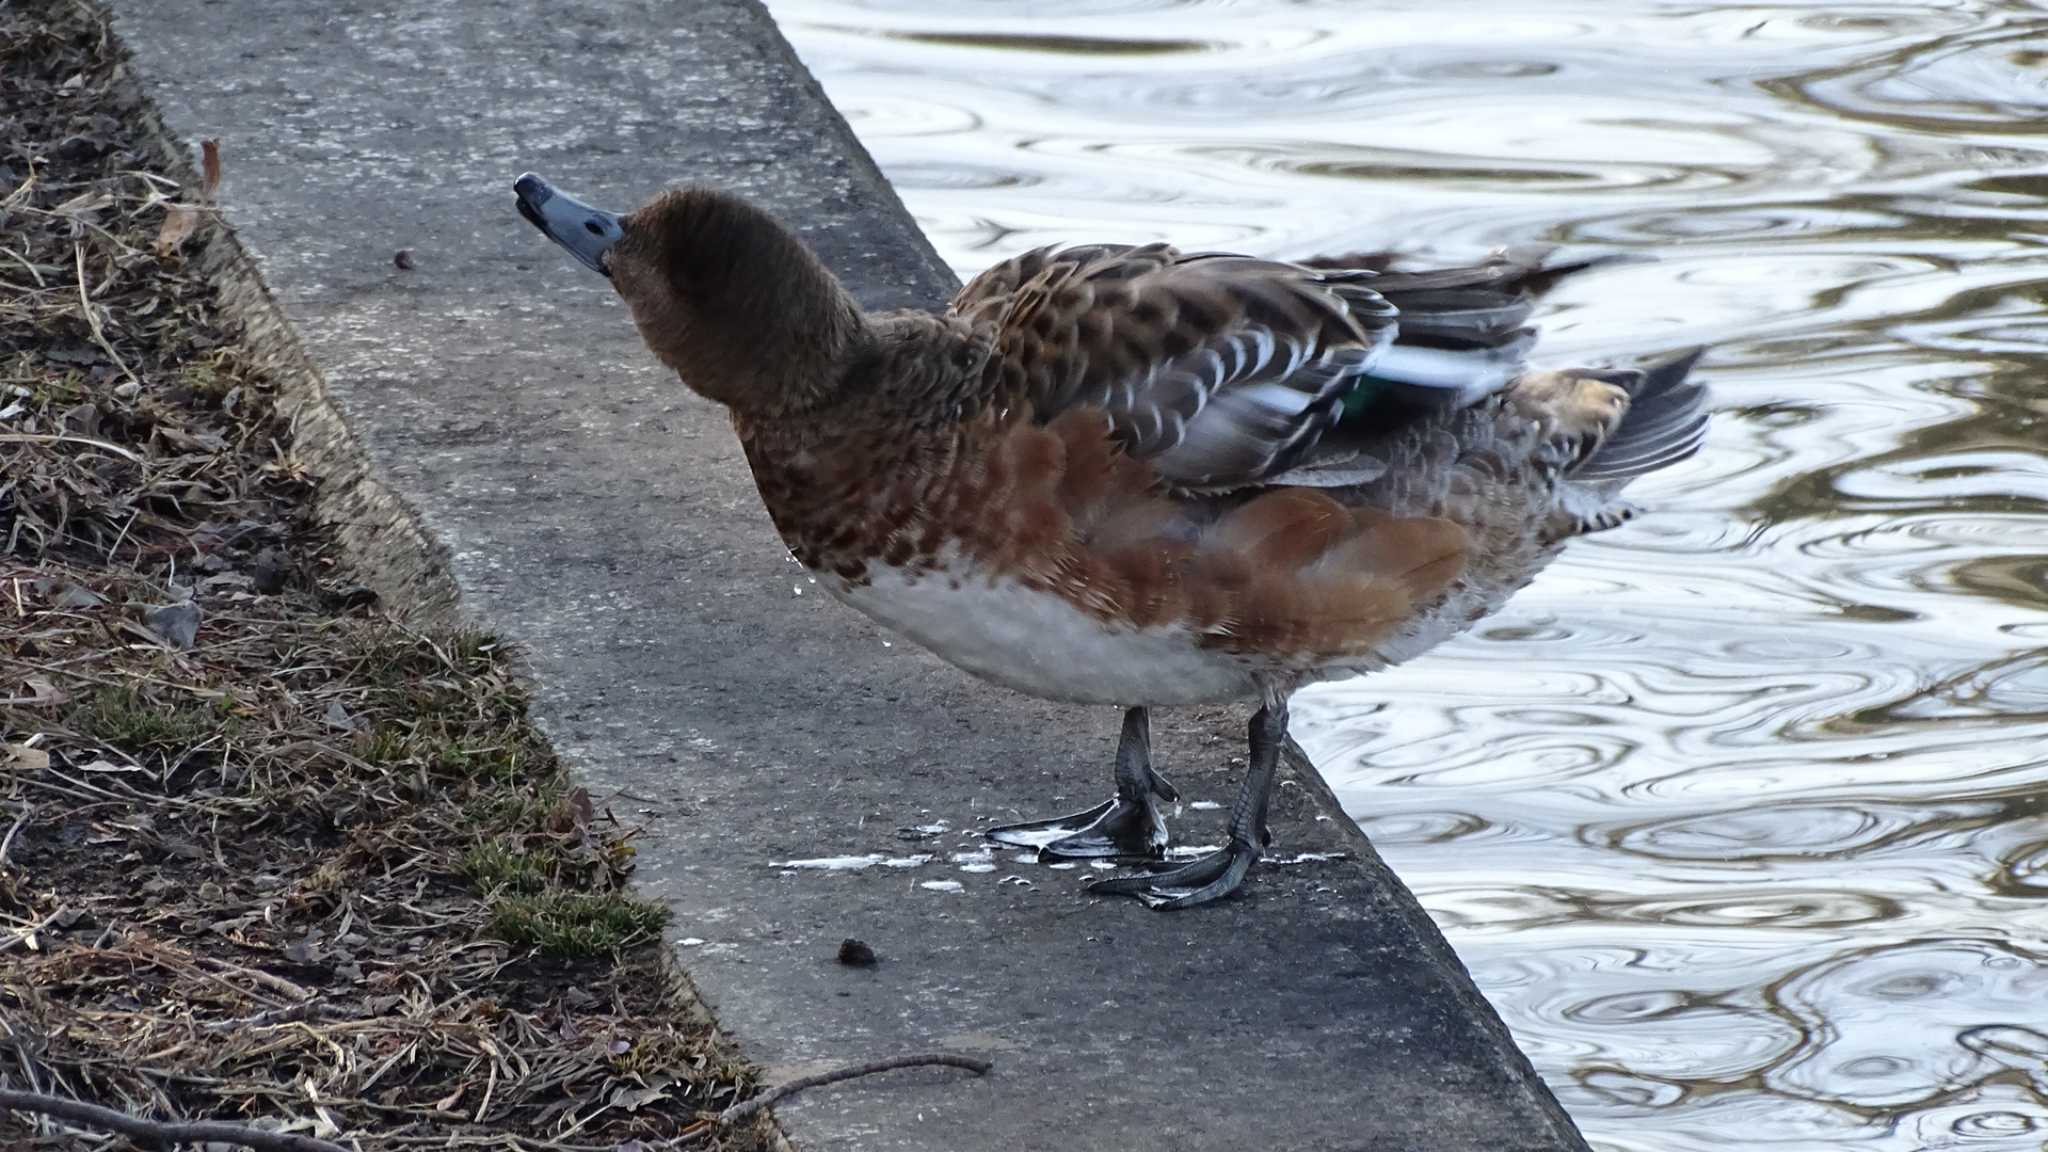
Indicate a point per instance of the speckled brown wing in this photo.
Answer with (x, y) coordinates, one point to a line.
(1217, 370)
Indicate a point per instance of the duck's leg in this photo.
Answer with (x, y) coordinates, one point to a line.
(1128, 825)
(1218, 874)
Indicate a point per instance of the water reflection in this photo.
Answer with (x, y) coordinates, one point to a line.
(1740, 814)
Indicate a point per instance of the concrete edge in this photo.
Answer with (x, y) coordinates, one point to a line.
(856, 151)
(382, 536)
(1434, 944)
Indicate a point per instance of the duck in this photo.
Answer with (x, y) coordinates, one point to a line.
(1129, 475)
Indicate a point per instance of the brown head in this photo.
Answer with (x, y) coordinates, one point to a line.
(720, 290)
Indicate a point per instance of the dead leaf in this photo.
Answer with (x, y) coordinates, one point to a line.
(339, 719)
(22, 758)
(45, 692)
(572, 813)
(209, 168)
(634, 1099)
(79, 596)
(181, 220)
(84, 204)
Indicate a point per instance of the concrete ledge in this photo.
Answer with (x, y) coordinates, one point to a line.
(494, 441)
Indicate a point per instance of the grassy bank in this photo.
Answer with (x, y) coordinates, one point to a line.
(268, 855)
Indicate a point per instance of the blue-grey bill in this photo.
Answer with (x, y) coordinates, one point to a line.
(588, 233)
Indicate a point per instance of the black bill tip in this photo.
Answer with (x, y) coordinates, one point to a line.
(588, 233)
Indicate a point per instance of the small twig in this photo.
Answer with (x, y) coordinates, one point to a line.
(40, 282)
(92, 316)
(745, 1109)
(21, 191)
(7, 841)
(159, 1131)
(60, 438)
(269, 980)
(27, 935)
(124, 536)
(163, 957)
(289, 1014)
(490, 1087)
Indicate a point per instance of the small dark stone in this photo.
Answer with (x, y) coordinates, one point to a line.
(83, 419)
(268, 572)
(855, 954)
(402, 260)
(77, 596)
(72, 352)
(178, 624)
(349, 597)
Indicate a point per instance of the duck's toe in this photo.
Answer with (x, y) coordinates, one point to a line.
(1120, 827)
(1199, 881)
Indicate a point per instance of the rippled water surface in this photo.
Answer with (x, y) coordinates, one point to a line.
(1740, 813)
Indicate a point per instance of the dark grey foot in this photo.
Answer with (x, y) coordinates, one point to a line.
(1211, 877)
(1128, 825)
(1221, 872)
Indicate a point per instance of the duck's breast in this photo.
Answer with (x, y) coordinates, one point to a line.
(1037, 642)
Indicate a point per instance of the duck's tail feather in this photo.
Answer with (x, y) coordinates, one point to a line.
(1420, 374)
(1666, 422)
(1462, 332)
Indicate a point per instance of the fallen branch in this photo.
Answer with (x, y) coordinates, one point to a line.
(745, 1109)
(289, 1014)
(159, 1131)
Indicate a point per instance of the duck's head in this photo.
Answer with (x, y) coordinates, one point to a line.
(720, 291)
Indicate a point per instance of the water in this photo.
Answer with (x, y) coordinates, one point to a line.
(1740, 813)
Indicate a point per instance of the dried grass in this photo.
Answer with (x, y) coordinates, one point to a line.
(297, 864)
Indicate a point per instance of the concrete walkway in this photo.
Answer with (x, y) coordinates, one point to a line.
(587, 506)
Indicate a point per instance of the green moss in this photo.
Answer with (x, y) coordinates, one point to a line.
(520, 810)
(474, 652)
(122, 717)
(204, 380)
(493, 867)
(489, 758)
(384, 745)
(576, 923)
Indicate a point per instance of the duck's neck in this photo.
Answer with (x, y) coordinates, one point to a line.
(761, 325)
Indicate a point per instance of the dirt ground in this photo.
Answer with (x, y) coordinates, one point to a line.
(265, 854)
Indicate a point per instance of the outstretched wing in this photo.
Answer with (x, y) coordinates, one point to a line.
(1219, 370)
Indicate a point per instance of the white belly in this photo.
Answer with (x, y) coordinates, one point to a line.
(1037, 643)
